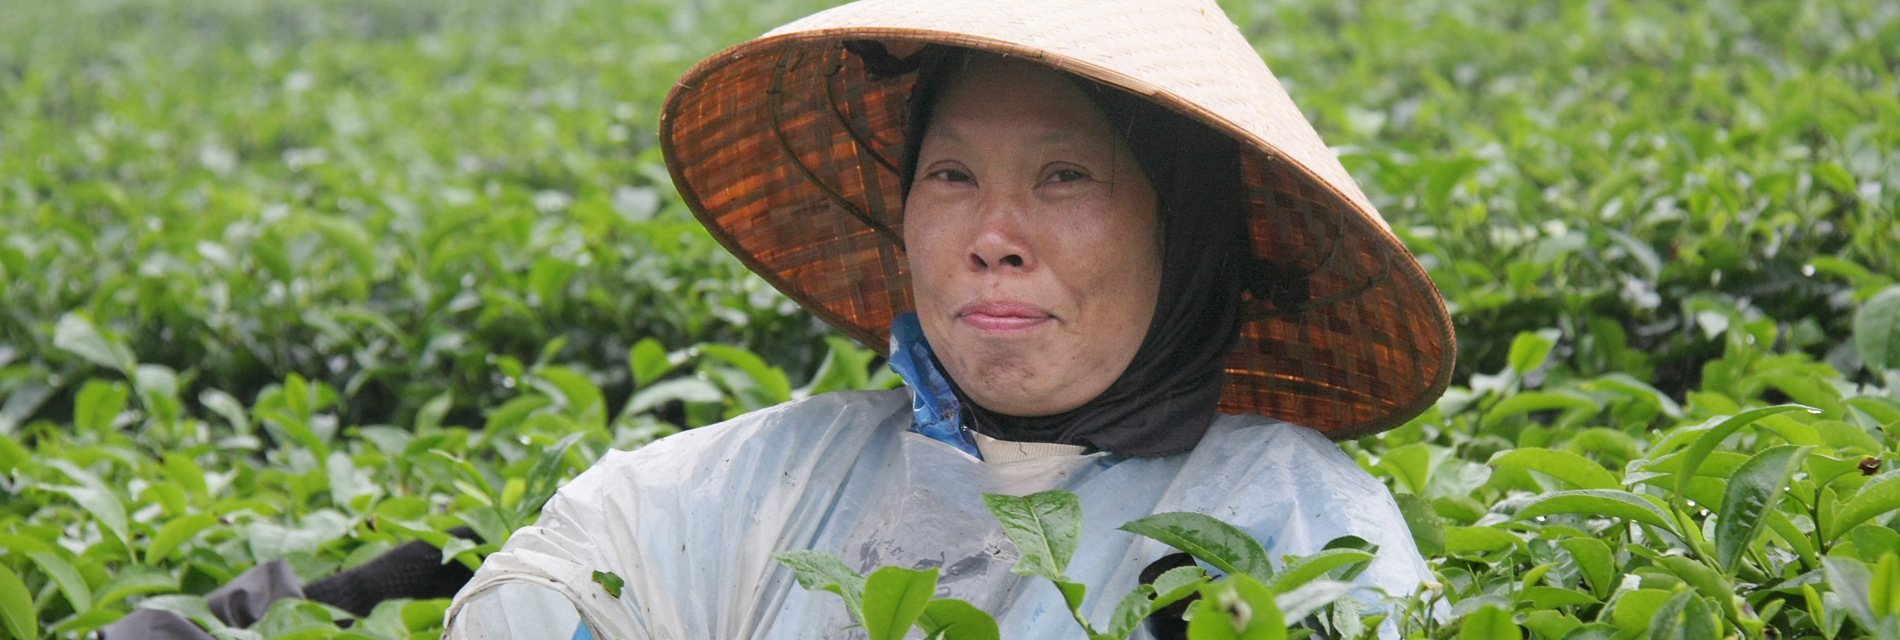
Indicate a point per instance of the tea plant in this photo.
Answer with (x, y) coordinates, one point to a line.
(306, 280)
(1253, 600)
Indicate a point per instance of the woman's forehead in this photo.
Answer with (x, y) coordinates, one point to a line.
(1029, 103)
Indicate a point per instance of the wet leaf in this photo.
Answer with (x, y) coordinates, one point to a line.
(1208, 540)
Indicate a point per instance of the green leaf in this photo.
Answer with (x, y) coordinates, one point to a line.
(1818, 609)
(97, 499)
(1704, 580)
(1552, 597)
(1626, 384)
(1594, 559)
(1072, 595)
(1428, 529)
(1633, 609)
(1133, 608)
(1238, 608)
(1852, 580)
(175, 533)
(820, 571)
(771, 380)
(893, 598)
(1310, 597)
(609, 581)
(1534, 401)
(1577, 470)
(953, 619)
(1467, 540)
(1411, 464)
(187, 475)
(1600, 502)
(1178, 583)
(1684, 617)
(582, 400)
(1877, 330)
(1551, 624)
(21, 618)
(1489, 623)
(1883, 587)
(846, 366)
(648, 361)
(67, 577)
(97, 405)
(1709, 440)
(1208, 540)
(76, 334)
(1752, 491)
(1045, 527)
(1529, 349)
(1305, 569)
(1874, 499)
(133, 581)
(687, 390)
(423, 615)
(545, 478)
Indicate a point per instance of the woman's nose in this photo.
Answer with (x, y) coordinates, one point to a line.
(1001, 240)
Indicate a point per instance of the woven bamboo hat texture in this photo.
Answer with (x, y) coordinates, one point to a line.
(788, 149)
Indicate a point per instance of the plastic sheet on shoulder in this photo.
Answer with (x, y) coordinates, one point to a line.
(690, 522)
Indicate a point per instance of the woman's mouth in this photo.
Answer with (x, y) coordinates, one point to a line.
(1002, 315)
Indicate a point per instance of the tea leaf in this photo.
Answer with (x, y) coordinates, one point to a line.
(1133, 608)
(77, 335)
(1699, 450)
(1489, 623)
(175, 533)
(1238, 608)
(1577, 470)
(1752, 491)
(820, 571)
(1307, 568)
(1426, 527)
(611, 582)
(893, 599)
(16, 608)
(1530, 349)
(1045, 527)
(1208, 540)
(67, 577)
(1685, 617)
(1877, 330)
(1311, 597)
(648, 361)
(1874, 499)
(953, 619)
(1594, 559)
(1602, 502)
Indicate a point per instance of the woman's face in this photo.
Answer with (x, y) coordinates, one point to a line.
(1034, 241)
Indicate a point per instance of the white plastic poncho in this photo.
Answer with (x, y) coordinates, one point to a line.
(690, 523)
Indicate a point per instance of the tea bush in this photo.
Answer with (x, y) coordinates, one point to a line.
(306, 280)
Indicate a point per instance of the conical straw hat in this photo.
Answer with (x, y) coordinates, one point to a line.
(787, 149)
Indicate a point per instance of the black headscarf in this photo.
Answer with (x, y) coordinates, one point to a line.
(1165, 401)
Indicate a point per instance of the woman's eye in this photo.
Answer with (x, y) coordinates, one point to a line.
(952, 175)
(1067, 175)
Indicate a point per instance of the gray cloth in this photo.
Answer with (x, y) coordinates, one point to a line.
(239, 604)
(152, 624)
(243, 601)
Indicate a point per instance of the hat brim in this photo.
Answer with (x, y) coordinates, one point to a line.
(787, 150)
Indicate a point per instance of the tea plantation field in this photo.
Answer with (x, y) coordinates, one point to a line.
(310, 279)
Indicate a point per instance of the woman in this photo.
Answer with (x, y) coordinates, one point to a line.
(1086, 229)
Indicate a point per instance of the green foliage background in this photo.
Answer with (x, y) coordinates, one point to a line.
(310, 279)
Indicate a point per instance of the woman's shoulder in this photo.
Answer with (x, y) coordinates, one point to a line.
(1270, 446)
(836, 423)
